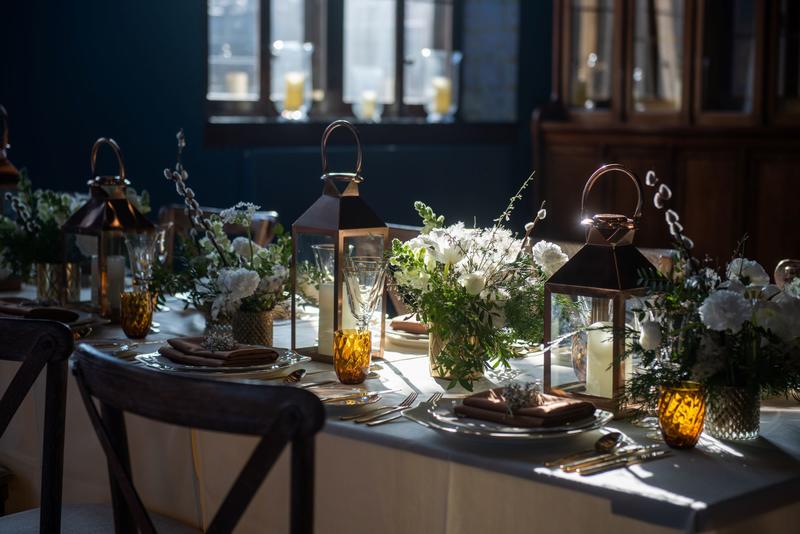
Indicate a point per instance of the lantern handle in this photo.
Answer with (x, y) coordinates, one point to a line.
(328, 131)
(4, 116)
(611, 167)
(117, 152)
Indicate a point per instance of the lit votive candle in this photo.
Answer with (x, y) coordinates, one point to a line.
(442, 95)
(294, 95)
(369, 103)
(236, 83)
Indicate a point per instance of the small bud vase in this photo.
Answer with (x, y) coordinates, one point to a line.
(733, 413)
(253, 328)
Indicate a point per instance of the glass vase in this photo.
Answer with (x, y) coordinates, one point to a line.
(253, 328)
(436, 345)
(291, 83)
(441, 69)
(681, 411)
(733, 413)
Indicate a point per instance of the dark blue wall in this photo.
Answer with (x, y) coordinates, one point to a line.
(133, 70)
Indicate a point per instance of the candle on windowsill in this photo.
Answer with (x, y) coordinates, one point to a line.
(442, 95)
(294, 93)
(369, 104)
(237, 83)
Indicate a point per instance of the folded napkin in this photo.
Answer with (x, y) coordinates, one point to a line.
(14, 308)
(190, 351)
(555, 411)
(409, 324)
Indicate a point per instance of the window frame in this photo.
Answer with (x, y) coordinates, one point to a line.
(235, 123)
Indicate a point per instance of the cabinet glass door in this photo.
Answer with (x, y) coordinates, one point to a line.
(728, 55)
(657, 74)
(591, 53)
(789, 57)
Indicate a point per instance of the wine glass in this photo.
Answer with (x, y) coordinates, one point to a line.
(364, 277)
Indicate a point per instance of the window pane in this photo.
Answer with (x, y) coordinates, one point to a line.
(287, 20)
(233, 50)
(428, 24)
(789, 57)
(302, 21)
(728, 55)
(657, 55)
(591, 51)
(369, 36)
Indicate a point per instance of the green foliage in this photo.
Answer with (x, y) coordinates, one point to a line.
(429, 219)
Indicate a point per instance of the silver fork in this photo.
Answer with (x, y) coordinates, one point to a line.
(433, 399)
(408, 401)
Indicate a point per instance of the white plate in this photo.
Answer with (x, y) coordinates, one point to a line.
(441, 417)
(404, 339)
(156, 361)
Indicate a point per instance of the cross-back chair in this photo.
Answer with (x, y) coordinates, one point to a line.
(280, 415)
(39, 345)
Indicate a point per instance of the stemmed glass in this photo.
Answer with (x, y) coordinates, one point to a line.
(364, 277)
(137, 311)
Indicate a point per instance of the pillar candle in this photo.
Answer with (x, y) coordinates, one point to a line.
(599, 359)
(326, 311)
(294, 94)
(95, 279)
(369, 102)
(442, 95)
(115, 266)
(237, 83)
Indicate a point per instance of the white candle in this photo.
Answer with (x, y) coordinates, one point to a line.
(326, 311)
(294, 94)
(442, 95)
(599, 359)
(115, 267)
(95, 282)
(237, 83)
(369, 102)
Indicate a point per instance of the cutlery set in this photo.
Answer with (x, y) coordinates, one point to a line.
(610, 452)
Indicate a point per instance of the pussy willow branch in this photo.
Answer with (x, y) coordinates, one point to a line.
(193, 210)
(529, 230)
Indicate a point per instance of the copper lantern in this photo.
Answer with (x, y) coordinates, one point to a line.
(337, 225)
(588, 306)
(95, 234)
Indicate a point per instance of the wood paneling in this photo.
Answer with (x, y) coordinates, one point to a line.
(772, 209)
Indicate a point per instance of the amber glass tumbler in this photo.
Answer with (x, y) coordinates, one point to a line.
(352, 354)
(136, 313)
(681, 412)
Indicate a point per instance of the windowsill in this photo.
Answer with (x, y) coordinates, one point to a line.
(255, 131)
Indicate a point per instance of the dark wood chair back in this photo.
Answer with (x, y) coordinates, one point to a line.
(40, 344)
(279, 414)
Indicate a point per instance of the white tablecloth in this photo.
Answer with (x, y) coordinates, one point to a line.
(402, 478)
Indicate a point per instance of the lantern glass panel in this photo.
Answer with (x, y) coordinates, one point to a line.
(582, 358)
(366, 245)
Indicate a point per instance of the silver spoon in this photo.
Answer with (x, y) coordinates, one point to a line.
(605, 444)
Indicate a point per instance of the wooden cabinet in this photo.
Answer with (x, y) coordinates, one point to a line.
(704, 92)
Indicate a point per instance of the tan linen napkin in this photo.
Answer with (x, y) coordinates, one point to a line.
(409, 324)
(190, 351)
(556, 411)
(8, 308)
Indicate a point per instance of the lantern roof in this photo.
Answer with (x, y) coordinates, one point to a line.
(614, 268)
(340, 207)
(108, 207)
(9, 175)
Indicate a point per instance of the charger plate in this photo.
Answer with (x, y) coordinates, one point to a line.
(441, 417)
(286, 359)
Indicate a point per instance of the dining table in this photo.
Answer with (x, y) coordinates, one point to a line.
(403, 477)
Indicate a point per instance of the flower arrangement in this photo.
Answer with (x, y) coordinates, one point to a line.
(223, 276)
(722, 328)
(34, 234)
(477, 289)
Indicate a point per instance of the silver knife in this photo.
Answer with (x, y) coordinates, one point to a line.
(623, 462)
(608, 456)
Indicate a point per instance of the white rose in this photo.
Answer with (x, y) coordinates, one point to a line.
(473, 282)
(725, 310)
(549, 257)
(740, 268)
(650, 335)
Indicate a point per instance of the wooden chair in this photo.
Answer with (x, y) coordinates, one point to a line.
(279, 414)
(39, 344)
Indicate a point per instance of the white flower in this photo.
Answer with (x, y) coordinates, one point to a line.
(242, 213)
(473, 282)
(541, 214)
(710, 360)
(549, 257)
(650, 335)
(781, 315)
(793, 288)
(242, 247)
(725, 310)
(747, 271)
(233, 285)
